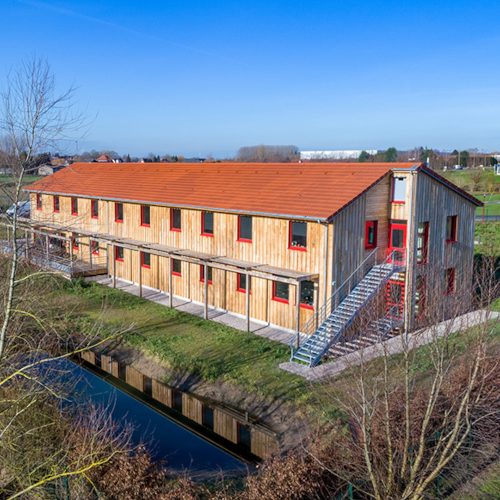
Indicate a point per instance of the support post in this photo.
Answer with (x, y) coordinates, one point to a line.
(27, 244)
(247, 301)
(170, 283)
(205, 282)
(113, 259)
(297, 305)
(90, 252)
(140, 274)
(47, 243)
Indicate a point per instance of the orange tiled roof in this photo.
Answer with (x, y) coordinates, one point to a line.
(312, 190)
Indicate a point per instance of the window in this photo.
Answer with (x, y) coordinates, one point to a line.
(145, 215)
(74, 206)
(207, 223)
(118, 212)
(420, 297)
(177, 400)
(148, 385)
(371, 234)
(56, 203)
(422, 242)
(245, 229)
(280, 291)
(307, 294)
(451, 228)
(94, 246)
(175, 219)
(399, 189)
(202, 274)
(94, 209)
(122, 371)
(298, 236)
(98, 360)
(242, 283)
(76, 244)
(39, 202)
(176, 267)
(119, 253)
(208, 417)
(449, 281)
(244, 436)
(145, 259)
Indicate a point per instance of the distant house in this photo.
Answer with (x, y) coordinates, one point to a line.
(104, 159)
(117, 160)
(49, 169)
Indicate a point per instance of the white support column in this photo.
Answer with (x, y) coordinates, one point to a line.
(170, 283)
(140, 274)
(205, 282)
(297, 305)
(113, 259)
(47, 243)
(247, 301)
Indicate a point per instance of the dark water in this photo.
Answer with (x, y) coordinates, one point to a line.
(164, 438)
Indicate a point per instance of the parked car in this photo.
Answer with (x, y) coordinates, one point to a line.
(457, 167)
(23, 209)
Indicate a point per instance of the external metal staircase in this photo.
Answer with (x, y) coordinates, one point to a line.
(323, 332)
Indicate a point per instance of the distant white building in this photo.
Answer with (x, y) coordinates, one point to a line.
(345, 154)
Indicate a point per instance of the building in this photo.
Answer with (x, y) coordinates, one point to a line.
(304, 247)
(335, 155)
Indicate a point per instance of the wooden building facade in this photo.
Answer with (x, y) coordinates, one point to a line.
(289, 234)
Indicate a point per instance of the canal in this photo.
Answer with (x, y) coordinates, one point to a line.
(182, 449)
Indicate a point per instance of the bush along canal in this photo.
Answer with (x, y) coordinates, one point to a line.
(188, 431)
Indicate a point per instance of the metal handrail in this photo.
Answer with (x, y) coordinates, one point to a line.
(336, 300)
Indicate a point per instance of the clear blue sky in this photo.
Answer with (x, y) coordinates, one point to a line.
(197, 77)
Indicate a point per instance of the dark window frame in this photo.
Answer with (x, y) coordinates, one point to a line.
(451, 236)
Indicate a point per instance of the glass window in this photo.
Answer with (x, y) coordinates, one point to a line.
(146, 259)
(242, 283)
(175, 219)
(399, 189)
(95, 209)
(280, 291)
(119, 253)
(176, 267)
(38, 201)
(148, 385)
(95, 247)
(56, 203)
(74, 206)
(244, 228)
(118, 212)
(307, 293)
(177, 400)
(298, 235)
(145, 215)
(208, 417)
(371, 234)
(207, 221)
(76, 244)
(209, 272)
(451, 228)
(422, 242)
(244, 436)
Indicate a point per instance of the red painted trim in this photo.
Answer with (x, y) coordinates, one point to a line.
(175, 273)
(277, 299)
(119, 259)
(142, 217)
(147, 266)
(243, 240)
(73, 206)
(453, 229)
(302, 249)
(116, 213)
(368, 224)
(93, 202)
(176, 229)
(307, 306)
(203, 226)
(56, 210)
(238, 286)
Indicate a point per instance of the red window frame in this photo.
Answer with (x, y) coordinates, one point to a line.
(241, 289)
(116, 213)
(203, 224)
(74, 206)
(95, 247)
(56, 204)
(290, 228)
(172, 228)
(143, 224)
(202, 277)
(368, 225)
(244, 240)
(94, 207)
(74, 242)
(425, 243)
(453, 235)
(279, 299)
(143, 264)
(449, 280)
(117, 254)
(174, 273)
(39, 202)
(397, 202)
(302, 304)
